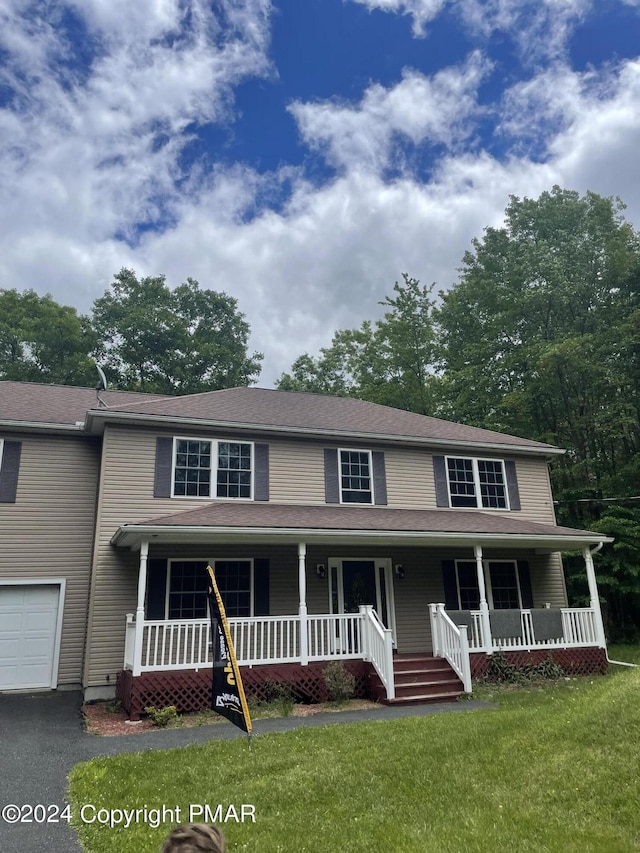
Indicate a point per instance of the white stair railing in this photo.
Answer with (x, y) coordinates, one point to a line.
(378, 647)
(450, 642)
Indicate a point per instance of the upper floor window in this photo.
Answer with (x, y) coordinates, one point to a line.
(355, 477)
(204, 469)
(477, 483)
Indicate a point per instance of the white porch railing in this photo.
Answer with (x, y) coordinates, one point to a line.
(450, 642)
(169, 644)
(172, 645)
(579, 628)
(378, 647)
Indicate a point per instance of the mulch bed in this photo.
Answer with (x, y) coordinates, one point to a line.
(102, 719)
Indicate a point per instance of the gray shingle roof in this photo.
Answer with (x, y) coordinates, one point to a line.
(256, 407)
(31, 402)
(316, 413)
(263, 515)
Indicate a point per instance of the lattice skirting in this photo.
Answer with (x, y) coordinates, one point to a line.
(190, 691)
(581, 661)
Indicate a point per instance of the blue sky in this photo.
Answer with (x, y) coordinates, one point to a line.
(299, 155)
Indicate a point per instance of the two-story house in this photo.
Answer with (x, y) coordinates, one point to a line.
(337, 528)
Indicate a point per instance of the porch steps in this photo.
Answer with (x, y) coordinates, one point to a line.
(420, 679)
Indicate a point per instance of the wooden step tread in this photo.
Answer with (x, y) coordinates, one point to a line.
(419, 699)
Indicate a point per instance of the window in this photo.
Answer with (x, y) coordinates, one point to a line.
(467, 582)
(234, 582)
(234, 470)
(188, 582)
(477, 483)
(198, 464)
(355, 477)
(502, 582)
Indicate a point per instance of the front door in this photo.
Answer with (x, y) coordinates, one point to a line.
(353, 582)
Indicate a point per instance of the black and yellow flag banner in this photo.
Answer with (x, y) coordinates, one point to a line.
(227, 692)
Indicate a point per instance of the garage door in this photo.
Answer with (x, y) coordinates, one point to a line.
(28, 634)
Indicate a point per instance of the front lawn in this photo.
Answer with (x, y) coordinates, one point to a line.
(551, 769)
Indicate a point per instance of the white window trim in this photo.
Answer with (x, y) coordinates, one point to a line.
(370, 455)
(487, 580)
(476, 483)
(1, 452)
(213, 485)
(211, 561)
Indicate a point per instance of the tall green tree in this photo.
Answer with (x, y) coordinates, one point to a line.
(388, 361)
(181, 341)
(537, 334)
(42, 341)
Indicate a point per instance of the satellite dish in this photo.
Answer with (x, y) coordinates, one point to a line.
(102, 385)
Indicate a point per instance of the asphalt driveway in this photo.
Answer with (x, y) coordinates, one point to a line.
(42, 738)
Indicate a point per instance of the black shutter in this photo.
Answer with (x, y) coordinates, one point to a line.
(512, 484)
(261, 478)
(9, 467)
(164, 460)
(156, 589)
(525, 584)
(379, 478)
(331, 484)
(261, 587)
(451, 601)
(440, 477)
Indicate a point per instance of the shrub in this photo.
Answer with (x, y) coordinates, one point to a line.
(161, 717)
(281, 696)
(340, 684)
(500, 669)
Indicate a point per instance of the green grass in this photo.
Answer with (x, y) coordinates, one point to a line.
(552, 768)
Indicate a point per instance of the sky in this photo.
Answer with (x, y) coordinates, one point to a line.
(298, 155)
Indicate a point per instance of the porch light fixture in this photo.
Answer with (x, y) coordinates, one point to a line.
(321, 570)
(399, 570)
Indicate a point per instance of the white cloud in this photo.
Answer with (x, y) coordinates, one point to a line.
(86, 157)
(539, 27)
(419, 109)
(421, 11)
(100, 155)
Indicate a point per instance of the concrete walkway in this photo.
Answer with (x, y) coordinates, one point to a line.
(42, 738)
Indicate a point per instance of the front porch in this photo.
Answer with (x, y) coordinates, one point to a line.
(174, 657)
(371, 603)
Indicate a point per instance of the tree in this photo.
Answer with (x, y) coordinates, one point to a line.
(42, 341)
(183, 341)
(536, 335)
(618, 569)
(540, 337)
(387, 362)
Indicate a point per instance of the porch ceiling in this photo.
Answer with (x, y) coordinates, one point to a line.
(228, 522)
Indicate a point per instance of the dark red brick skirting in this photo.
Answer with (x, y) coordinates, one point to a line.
(581, 661)
(190, 691)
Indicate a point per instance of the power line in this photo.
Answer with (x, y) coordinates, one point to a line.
(597, 500)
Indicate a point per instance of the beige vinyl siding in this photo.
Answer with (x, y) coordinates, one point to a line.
(296, 472)
(48, 531)
(296, 476)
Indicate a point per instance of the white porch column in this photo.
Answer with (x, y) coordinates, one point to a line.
(302, 608)
(484, 607)
(594, 597)
(142, 588)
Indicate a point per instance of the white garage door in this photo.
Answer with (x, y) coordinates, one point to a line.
(28, 635)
